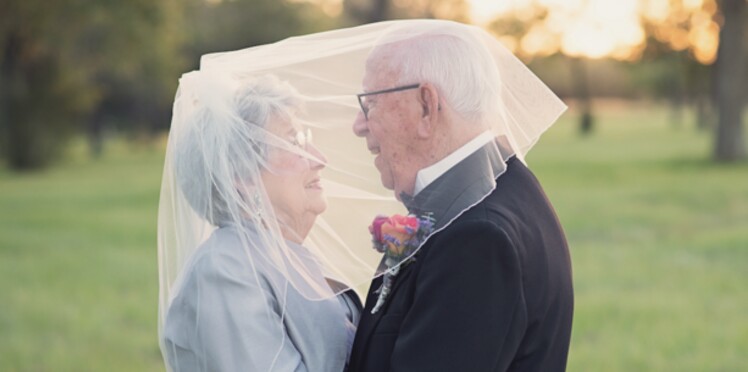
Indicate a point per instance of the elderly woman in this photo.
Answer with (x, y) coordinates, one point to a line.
(249, 297)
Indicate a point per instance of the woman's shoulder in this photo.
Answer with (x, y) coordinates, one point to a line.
(226, 253)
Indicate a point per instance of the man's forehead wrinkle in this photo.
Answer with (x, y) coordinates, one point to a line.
(380, 68)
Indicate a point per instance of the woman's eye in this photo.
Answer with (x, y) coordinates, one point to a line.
(301, 138)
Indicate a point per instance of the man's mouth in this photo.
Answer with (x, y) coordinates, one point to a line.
(375, 150)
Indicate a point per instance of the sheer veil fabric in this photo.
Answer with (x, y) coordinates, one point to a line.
(243, 109)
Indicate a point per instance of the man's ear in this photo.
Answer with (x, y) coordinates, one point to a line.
(428, 97)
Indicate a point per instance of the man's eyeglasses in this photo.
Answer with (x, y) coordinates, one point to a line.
(361, 96)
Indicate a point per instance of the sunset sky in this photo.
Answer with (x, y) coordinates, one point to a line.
(609, 28)
(599, 28)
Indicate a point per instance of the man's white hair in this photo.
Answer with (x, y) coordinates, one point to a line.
(453, 58)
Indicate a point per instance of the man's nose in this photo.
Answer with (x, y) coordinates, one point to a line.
(360, 125)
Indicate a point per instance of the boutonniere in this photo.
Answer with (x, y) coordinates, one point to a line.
(398, 237)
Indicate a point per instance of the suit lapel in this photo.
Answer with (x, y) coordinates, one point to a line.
(368, 323)
(365, 327)
(461, 187)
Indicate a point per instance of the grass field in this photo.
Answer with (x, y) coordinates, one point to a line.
(658, 236)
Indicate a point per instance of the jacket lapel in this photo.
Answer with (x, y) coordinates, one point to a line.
(461, 187)
(368, 323)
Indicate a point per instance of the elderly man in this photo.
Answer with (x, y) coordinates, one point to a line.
(491, 289)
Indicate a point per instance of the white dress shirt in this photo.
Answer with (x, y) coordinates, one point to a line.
(429, 174)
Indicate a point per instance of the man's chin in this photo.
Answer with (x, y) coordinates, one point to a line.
(387, 182)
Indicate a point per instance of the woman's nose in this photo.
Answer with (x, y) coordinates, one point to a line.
(319, 160)
(360, 125)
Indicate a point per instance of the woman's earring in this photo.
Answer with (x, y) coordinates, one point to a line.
(257, 205)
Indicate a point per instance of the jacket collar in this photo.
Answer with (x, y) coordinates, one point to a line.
(461, 187)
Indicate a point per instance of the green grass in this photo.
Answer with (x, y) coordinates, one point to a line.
(78, 271)
(658, 236)
(659, 242)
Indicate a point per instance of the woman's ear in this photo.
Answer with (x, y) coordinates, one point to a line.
(428, 97)
(245, 189)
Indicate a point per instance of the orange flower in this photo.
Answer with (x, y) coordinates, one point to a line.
(397, 231)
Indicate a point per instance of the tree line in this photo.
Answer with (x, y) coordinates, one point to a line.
(89, 66)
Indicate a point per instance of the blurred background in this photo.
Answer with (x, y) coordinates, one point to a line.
(647, 169)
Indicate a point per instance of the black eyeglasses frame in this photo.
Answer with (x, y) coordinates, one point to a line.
(365, 110)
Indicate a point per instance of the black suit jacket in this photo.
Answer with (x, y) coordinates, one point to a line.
(490, 292)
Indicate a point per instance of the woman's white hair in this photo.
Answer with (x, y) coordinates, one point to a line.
(223, 140)
(452, 58)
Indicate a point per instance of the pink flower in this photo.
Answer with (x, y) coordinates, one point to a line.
(398, 237)
(376, 227)
(394, 232)
(406, 222)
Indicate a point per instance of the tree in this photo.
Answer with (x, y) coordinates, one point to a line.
(217, 26)
(136, 79)
(57, 59)
(39, 100)
(532, 32)
(70, 65)
(582, 92)
(731, 77)
(368, 11)
(678, 39)
(681, 46)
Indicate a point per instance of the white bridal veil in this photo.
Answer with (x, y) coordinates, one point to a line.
(242, 110)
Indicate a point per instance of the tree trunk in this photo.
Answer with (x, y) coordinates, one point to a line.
(36, 115)
(704, 113)
(677, 90)
(732, 59)
(379, 11)
(677, 106)
(95, 129)
(18, 134)
(582, 92)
